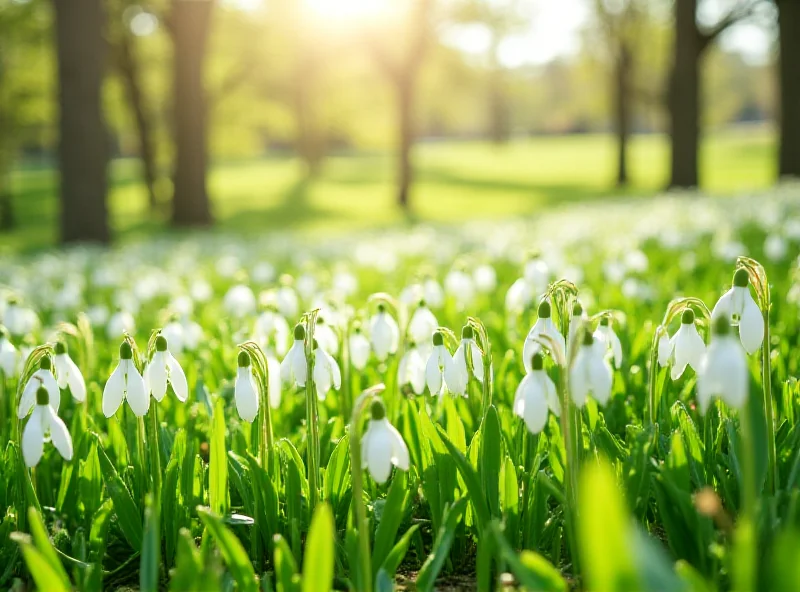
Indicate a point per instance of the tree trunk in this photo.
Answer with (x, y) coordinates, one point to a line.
(83, 143)
(498, 104)
(7, 218)
(190, 25)
(622, 111)
(789, 69)
(405, 104)
(129, 69)
(684, 99)
(307, 141)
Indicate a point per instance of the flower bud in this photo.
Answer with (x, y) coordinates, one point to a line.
(605, 322)
(299, 332)
(45, 363)
(577, 309)
(438, 338)
(588, 338)
(722, 327)
(741, 278)
(243, 359)
(61, 348)
(467, 332)
(687, 318)
(537, 361)
(161, 343)
(378, 410)
(125, 351)
(544, 309)
(42, 396)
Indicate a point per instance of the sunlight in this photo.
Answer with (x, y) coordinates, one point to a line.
(347, 10)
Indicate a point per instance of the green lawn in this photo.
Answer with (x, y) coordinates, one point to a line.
(456, 182)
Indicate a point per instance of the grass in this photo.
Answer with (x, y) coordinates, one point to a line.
(455, 182)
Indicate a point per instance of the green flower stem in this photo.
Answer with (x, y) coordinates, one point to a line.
(769, 414)
(155, 453)
(360, 510)
(312, 418)
(745, 552)
(568, 429)
(140, 446)
(652, 390)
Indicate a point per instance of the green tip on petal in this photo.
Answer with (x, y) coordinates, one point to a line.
(125, 351)
(377, 409)
(45, 363)
(537, 361)
(438, 338)
(544, 310)
(61, 348)
(687, 318)
(577, 309)
(467, 332)
(161, 343)
(588, 338)
(722, 326)
(244, 359)
(316, 345)
(605, 322)
(421, 303)
(741, 278)
(299, 332)
(381, 307)
(42, 396)
(320, 321)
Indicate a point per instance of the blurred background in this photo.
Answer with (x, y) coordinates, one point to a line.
(123, 118)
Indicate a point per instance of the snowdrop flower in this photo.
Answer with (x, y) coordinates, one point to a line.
(457, 377)
(411, 370)
(245, 391)
(459, 285)
(440, 362)
(535, 395)
(294, 368)
(384, 333)
(687, 347)
(286, 300)
(723, 371)
(239, 301)
(8, 354)
(119, 323)
(485, 278)
(590, 373)
(326, 372)
(18, 319)
(737, 305)
(544, 326)
(605, 335)
(69, 375)
(345, 283)
(430, 291)
(165, 368)
(578, 317)
(359, 349)
(125, 383)
(272, 328)
(382, 446)
(43, 426)
(326, 336)
(273, 380)
(42, 377)
(775, 247)
(664, 349)
(422, 324)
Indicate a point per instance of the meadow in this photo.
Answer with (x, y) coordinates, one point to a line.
(456, 181)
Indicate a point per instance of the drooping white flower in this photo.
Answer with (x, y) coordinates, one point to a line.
(274, 381)
(44, 426)
(688, 348)
(428, 290)
(382, 446)
(68, 373)
(422, 324)
(359, 349)
(119, 323)
(578, 318)
(384, 333)
(440, 364)
(738, 306)
(606, 336)
(544, 326)
(245, 391)
(326, 372)
(286, 300)
(306, 286)
(723, 372)
(272, 329)
(42, 377)
(535, 395)
(590, 373)
(457, 375)
(411, 370)
(664, 349)
(485, 278)
(459, 285)
(19, 319)
(326, 336)
(239, 301)
(294, 368)
(125, 384)
(9, 355)
(164, 368)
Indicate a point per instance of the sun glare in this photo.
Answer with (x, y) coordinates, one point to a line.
(346, 10)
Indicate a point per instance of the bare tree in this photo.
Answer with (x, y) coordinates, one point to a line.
(83, 145)
(789, 74)
(691, 42)
(189, 24)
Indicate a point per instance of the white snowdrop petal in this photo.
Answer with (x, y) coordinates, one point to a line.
(456, 374)
(177, 379)
(400, 457)
(751, 325)
(245, 394)
(552, 397)
(136, 392)
(664, 349)
(601, 380)
(60, 435)
(33, 439)
(535, 411)
(28, 398)
(114, 391)
(75, 381)
(49, 383)
(477, 361)
(433, 376)
(273, 369)
(379, 455)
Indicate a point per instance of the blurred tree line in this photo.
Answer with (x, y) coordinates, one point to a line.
(177, 83)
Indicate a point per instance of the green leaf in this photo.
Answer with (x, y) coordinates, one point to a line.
(233, 554)
(391, 517)
(398, 552)
(218, 461)
(441, 547)
(151, 549)
(318, 558)
(532, 570)
(130, 520)
(43, 573)
(471, 480)
(491, 460)
(42, 542)
(286, 577)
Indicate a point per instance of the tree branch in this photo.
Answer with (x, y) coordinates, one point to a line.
(740, 11)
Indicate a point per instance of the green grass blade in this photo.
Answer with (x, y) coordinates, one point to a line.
(218, 462)
(318, 557)
(233, 553)
(441, 547)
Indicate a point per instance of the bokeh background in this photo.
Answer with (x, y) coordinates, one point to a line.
(126, 118)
